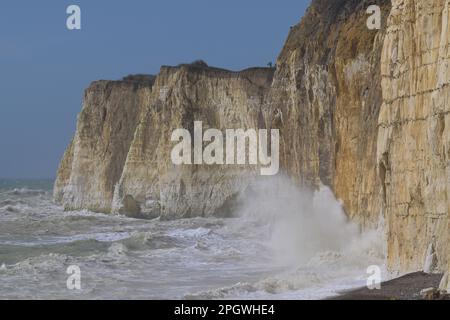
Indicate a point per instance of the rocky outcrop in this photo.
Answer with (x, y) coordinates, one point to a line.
(120, 158)
(362, 111)
(94, 161)
(181, 95)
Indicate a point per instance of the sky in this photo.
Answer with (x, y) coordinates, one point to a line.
(44, 67)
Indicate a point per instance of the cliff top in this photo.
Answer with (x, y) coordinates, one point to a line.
(254, 74)
(140, 78)
(321, 26)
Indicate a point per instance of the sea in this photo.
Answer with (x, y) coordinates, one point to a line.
(281, 243)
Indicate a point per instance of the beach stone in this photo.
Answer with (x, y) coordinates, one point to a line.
(429, 294)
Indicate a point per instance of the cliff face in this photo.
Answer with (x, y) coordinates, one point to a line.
(413, 152)
(120, 158)
(328, 88)
(94, 161)
(362, 111)
(150, 184)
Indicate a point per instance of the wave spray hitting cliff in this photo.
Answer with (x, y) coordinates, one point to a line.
(280, 243)
(308, 238)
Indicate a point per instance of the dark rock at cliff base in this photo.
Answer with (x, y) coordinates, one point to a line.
(408, 287)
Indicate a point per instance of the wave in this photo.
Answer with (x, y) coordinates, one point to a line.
(25, 192)
(11, 202)
(11, 209)
(236, 290)
(309, 235)
(282, 242)
(39, 264)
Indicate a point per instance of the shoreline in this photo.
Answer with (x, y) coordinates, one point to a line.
(406, 287)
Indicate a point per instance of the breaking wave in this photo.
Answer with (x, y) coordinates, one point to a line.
(281, 243)
(309, 236)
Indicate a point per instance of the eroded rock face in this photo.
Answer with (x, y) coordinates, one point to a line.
(413, 152)
(328, 89)
(94, 161)
(181, 95)
(120, 159)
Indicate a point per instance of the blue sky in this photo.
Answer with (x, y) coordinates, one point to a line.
(44, 67)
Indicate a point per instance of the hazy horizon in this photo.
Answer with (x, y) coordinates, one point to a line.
(46, 67)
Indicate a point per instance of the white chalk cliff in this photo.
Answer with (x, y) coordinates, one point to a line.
(365, 112)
